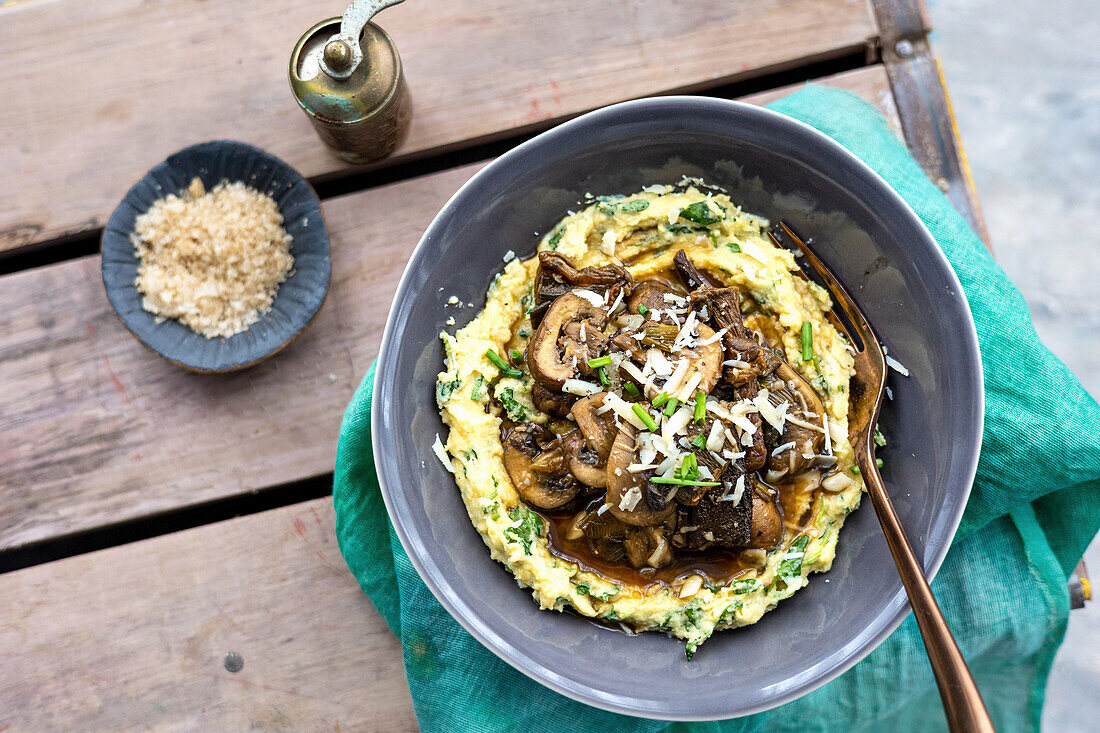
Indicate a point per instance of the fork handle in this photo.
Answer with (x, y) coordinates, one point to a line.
(962, 703)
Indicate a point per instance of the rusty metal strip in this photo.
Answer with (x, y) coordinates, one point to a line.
(921, 98)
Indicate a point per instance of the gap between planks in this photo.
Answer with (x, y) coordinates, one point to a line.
(98, 431)
(155, 77)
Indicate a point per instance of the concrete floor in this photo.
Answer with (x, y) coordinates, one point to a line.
(1024, 79)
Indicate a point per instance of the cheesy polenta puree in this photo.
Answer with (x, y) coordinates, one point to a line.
(489, 383)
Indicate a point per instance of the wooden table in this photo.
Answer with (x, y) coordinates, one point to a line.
(152, 520)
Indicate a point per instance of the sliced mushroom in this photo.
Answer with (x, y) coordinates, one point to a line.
(692, 276)
(767, 525)
(787, 385)
(584, 463)
(651, 294)
(598, 430)
(552, 402)
(647, 546)
(557, 275)
(723, 308)
(538, 466)
(613, 541)
(717, 522)
(625, 341)
(621, 481)
(760, 360)
(704, 359)
(583, 341)
(545, 357)
(756, 452)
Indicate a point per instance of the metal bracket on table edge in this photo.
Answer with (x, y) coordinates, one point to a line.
(921, 97)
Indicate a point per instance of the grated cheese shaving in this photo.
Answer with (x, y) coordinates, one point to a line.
(580, 387)
(896, 365)
(441, 454)
(593, 298)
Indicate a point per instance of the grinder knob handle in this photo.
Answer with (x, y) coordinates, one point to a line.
(343, 54)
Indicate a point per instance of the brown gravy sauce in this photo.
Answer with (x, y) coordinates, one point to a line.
(717, 566)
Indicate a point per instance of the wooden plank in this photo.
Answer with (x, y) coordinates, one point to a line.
(136, 80)
(95, 430)
(134, 637)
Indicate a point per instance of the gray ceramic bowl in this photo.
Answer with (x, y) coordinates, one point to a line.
(773, 166)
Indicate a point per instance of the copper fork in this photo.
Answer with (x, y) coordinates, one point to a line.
(962, 702)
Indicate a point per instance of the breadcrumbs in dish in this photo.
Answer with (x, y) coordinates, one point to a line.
(212, 260)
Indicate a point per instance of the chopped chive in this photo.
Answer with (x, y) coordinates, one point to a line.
(733, 246)
(660, 399)
(631, 390)
(699, 441)
(644, 416)
(502, 365)
(682, 481)
(642, 310)
(807, 341)
(689, 468)
(854, 469)
(602, 374)
(879, 463)
(700, 405)
(670, 408)
(516, 354)
(600, 361)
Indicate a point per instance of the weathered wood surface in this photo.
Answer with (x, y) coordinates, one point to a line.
(134, 637)
(151, 77)
(95, 430)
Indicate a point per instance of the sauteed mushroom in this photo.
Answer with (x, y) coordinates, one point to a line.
(537, 464)
(557, 276)
(621, 482)
(614, 541)
(545, 356)
(584, 463)
(714, 522)
(767, 526)
(707, 360)
(651, 294)
(691, 275)
(551, 402)
(787, 385)
(598, 430)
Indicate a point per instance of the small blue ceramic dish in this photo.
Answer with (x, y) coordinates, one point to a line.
(771, 165)
(299, 298)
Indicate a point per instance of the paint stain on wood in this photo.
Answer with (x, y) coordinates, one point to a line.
(534, 113)
(114, 378)
(557, 92)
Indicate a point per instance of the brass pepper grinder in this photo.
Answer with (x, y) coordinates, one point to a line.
(346, 75)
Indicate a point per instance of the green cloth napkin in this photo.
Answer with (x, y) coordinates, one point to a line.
(1034, 508)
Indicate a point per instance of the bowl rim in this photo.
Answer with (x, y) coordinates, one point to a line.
(115, 296)
(420, 556)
